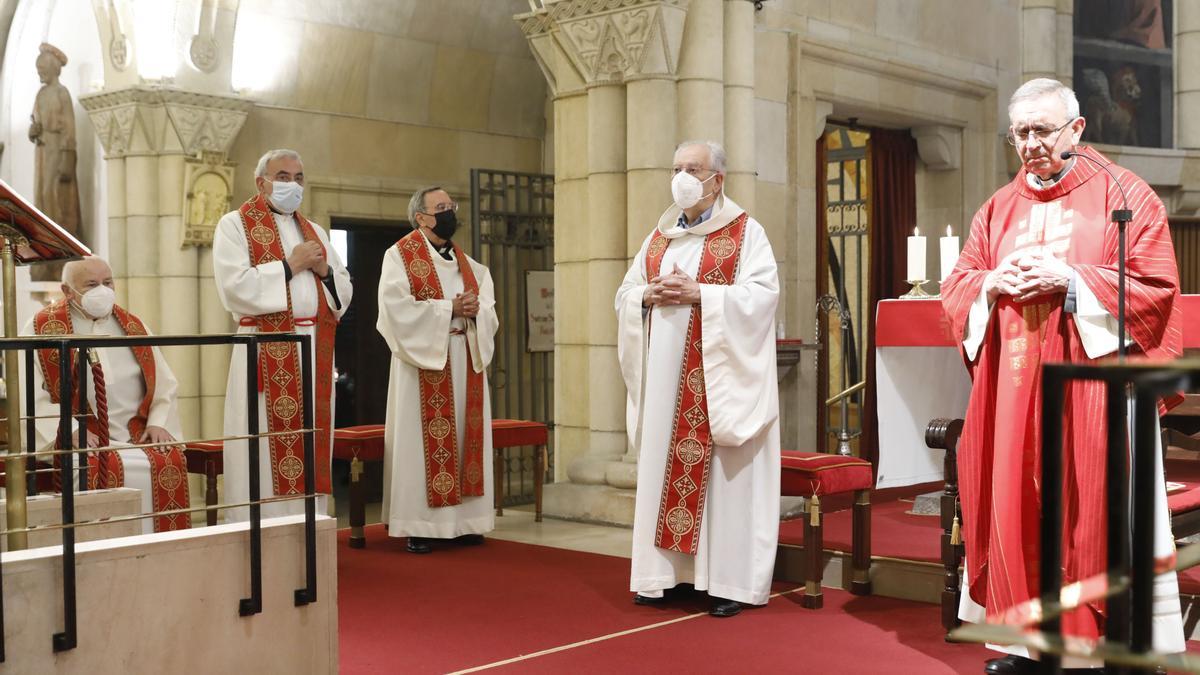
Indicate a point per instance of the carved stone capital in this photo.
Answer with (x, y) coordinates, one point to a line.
(146, 120)
(940, 147)
(584, 42)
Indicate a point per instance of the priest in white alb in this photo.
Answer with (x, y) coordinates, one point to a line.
(696, 343)
(437, 312)
(276, 272)
(130, 396)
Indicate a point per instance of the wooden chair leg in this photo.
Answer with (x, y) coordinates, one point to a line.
(358, 505)
(860, 584)
(539, 476)
(498, 480)
(814, 553)
(952, 548)
(210, 491)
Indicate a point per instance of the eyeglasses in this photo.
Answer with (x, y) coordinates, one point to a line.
(1042, 134)
(444, 206)
(692, 170)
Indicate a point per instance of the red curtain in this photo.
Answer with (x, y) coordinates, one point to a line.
(893, 214)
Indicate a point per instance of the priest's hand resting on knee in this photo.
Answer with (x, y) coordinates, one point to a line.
(465, 305)
(155, 435)
(1041, 274)
(93, 440)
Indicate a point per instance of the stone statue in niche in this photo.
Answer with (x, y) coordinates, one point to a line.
(52, 130)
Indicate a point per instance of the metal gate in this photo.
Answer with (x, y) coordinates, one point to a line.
(846, 216)
(512, 218)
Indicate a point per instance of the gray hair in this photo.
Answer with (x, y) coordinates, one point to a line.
(716, 153)
(417, 203)
(1044, 86)
(261, 170)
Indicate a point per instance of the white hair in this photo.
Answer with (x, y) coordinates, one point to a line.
(261, 170)
(716, 153)
(68, 270)
(417, 203)
(1044, 86)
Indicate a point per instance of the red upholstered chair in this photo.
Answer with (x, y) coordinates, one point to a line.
(365, 443)
(358, 444)
(814, 475)
(207, 458)
(516, 433)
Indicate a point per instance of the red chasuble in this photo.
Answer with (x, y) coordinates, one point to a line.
(168, 467)
(279, 362)
(685, 483)
(998, 455)
(446, 481)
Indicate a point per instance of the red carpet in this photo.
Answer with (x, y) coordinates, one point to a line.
(463, 607)
(894, 533)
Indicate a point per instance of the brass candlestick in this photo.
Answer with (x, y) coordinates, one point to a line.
(917, 293)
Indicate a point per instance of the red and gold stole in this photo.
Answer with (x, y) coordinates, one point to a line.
(445, 484)
(168, 467)
(685, 484)
(279, 362)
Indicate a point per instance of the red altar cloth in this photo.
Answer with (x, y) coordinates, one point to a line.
(921, 323)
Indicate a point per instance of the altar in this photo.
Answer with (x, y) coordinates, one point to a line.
(920, 376)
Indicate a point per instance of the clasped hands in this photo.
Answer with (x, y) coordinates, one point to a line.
(1027, 275)
(308, 255)
(465, 305)
(675, 288)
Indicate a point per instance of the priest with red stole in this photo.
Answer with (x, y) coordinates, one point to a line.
(276, 272)
(696, 343)
(1037, 283)
(130, 396)
(437, 312)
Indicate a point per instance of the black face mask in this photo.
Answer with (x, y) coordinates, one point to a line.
(445, 225)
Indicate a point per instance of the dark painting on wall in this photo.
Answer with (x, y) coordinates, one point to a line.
(1123, 70)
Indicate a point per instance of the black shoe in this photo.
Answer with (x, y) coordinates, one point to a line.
(723, 608)
(418, 545)
(1007, 665)
(640, 599)
(470, 539)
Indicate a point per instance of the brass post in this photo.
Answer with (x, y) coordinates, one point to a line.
(14, 464)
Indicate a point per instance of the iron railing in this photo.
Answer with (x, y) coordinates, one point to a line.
(64, 346)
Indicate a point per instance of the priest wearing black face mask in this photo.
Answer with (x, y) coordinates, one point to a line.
(437, 313)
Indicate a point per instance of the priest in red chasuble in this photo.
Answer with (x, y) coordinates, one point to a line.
(130, 396)
(437, 312)
(276, 272)
(696, 344)
(1037, 283)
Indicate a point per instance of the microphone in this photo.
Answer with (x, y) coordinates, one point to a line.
(1121, 217)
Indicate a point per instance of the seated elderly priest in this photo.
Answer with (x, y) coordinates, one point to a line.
(130, 396)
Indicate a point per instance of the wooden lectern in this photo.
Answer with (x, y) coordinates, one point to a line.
(27, 236)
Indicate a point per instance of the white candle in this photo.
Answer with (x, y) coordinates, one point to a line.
(916, 256)
(949, 251)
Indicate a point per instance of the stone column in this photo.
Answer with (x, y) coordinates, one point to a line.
(701, 77)
(1039, 39)
(740, 178)
(611, 70)
(158, 143)
(1065, 47)
(1187, 77)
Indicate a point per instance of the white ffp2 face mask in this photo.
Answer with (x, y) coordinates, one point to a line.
(688, 190)
(286, 196)
(98, 302)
